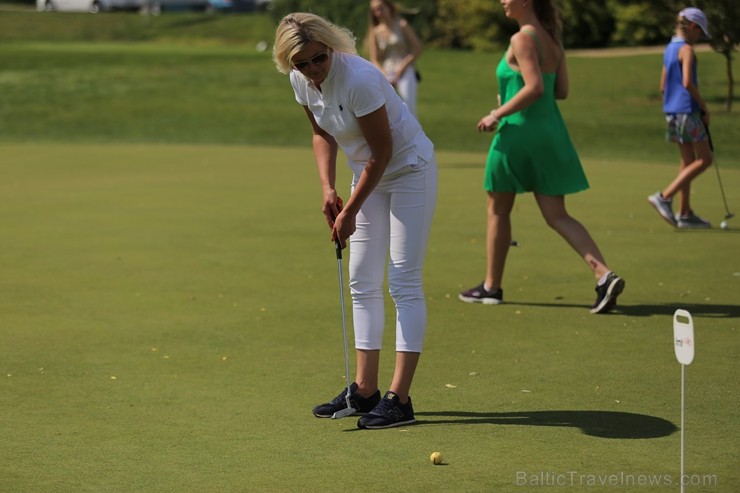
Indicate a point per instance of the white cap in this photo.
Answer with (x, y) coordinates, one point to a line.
(696, 16)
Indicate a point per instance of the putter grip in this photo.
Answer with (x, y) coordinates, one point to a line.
(337, 244)
(709, 136)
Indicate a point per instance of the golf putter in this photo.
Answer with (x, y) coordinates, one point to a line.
(728, 214)
(350, 410)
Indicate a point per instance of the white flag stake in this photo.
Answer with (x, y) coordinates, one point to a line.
(683, 345)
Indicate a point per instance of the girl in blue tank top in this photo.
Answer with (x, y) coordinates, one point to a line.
(687, 119)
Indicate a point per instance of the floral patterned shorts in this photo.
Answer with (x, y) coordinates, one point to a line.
(685, 128)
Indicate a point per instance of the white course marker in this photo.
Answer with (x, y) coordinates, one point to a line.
(683, 345)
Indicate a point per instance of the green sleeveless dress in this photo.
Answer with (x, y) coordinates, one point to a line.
(532, 151)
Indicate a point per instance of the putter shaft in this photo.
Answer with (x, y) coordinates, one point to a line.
(728, 214)
(350, 410)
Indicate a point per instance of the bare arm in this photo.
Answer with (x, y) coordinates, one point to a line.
(377, 132)
(688, 59)
(415, 48)
(663, 75)
(524, 52)
(373, 48)
(325, 153)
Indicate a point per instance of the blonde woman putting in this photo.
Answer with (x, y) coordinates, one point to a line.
(350, 105)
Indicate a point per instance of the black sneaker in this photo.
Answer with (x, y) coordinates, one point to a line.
(480, 294)
(388, 413)
(606, 294)
(361, 404)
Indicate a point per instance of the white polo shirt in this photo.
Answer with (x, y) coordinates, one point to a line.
(354, 87)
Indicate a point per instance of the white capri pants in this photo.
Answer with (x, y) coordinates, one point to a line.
(393, 224)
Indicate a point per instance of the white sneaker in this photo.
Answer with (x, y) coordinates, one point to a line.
(664, 207)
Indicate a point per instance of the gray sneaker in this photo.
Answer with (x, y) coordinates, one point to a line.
(664, 207)
(691, 220)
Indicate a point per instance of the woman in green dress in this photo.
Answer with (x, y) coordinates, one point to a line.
(532, 151)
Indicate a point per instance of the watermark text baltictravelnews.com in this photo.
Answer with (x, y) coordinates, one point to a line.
(616, 479)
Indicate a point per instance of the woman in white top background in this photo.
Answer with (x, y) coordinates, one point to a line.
(394, 47)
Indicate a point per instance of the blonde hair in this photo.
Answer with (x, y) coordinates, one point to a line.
(683, 24)
(298, 29)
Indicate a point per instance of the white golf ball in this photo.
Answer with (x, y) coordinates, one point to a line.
(261, 46)
(723, 225)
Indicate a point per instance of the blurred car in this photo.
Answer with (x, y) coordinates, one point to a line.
(239, 6)
(153, 6)
(87, 5)
(157, 6)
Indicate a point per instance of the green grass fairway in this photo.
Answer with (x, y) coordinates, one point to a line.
(168, 290)
(169, 315)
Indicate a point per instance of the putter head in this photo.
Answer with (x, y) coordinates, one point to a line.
(729, 215)
(349, 411)
(344, 413)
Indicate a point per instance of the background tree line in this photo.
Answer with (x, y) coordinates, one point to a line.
(482, 25)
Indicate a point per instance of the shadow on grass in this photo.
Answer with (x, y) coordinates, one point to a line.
(699, 231)
(603, 424)
(697, 310)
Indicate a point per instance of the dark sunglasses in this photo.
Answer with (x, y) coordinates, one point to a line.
(318, 60)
